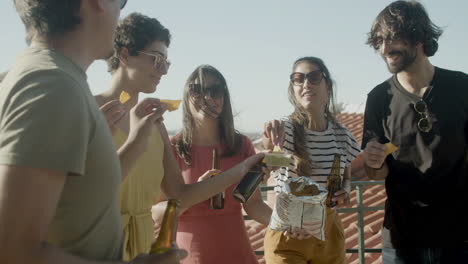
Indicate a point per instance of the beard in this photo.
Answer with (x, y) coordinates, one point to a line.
(407, 57)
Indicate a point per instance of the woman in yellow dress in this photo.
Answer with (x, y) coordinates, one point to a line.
(137, 66)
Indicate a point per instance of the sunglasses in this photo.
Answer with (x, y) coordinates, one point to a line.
(123, 3)
(313, 77)
(424, 124)
(160, 63)
(215, 91)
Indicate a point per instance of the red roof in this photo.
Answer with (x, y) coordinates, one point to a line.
(372, 196)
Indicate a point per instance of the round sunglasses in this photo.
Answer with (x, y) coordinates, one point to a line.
(424, 124)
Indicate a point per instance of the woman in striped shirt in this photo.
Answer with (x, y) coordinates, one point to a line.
(312, 134)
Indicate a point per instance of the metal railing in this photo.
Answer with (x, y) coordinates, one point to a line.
(360, 209)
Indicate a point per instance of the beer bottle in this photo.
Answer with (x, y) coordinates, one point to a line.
(334, 181)
(167, 234)
(217, 201)
(248, 184)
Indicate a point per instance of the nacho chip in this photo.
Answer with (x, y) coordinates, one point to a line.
(277, 148)
(172, 105)
(277, 159)
(124, 97)
(390, 148)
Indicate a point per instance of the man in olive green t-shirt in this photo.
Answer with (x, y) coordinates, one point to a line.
(59, 170)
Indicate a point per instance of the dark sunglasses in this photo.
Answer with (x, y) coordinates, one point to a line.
(215, 91)
(313, 77)
(424, 124)
(123, 3)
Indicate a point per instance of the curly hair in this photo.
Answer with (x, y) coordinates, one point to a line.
(48, 17)
(300, 120)
(135, 32)
(405, 20)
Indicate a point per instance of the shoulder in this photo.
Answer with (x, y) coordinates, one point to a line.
(342, 131)
(46, 87)
(452, 76)
(246, 143)
(382, 89)
(288, 124)
(46, 72)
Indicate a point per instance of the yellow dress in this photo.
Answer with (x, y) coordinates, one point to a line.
(138, 192)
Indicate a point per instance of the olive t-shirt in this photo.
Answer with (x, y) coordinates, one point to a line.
(49, 119)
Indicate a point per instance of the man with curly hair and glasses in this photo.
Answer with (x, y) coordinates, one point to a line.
(422, 110)
(59, 169)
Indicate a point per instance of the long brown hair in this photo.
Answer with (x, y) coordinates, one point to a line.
(230, 137)
(300, 119)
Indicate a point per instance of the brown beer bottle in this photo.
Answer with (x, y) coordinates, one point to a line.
(217, 201)
(334, 181)
(248, 185)
(167, 234)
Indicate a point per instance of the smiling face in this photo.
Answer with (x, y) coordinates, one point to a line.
(146, 69)
(310, 95)
(399, 55)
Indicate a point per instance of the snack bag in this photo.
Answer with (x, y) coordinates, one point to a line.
(301, 204)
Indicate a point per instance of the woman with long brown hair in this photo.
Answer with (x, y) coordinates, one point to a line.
(313, 136)
(213, 236)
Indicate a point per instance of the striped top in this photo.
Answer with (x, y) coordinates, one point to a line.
(322, 147)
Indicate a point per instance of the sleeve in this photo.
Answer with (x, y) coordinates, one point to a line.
(46, 123)
(353, 148)
(372, 121)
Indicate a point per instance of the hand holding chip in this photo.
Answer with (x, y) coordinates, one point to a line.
(375, 153)
(143, 119)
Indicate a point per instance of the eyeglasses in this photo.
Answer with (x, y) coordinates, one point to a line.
(215, 91)
(377, 41)
(160, 63)
(313, 77)
(123, 3)
(424, 124)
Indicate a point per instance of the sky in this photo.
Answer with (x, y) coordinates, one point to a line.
(254, 44)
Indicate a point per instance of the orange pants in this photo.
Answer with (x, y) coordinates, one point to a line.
(281, 249)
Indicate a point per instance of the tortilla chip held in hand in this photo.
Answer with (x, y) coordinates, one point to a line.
(124, 97)
(390, 148)
(172, 105)
(277, 158)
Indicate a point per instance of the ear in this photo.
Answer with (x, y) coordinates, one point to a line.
(420, 46)
(123, 56)
(97, 5)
